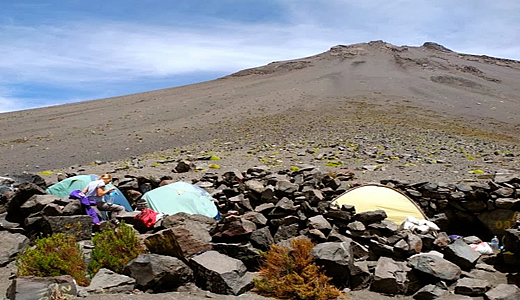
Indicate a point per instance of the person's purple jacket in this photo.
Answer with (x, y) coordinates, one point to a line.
(87, 204)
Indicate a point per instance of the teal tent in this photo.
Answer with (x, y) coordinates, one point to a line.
(63, 188)
(181, 197)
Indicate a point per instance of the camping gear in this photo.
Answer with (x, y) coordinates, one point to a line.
(63, 189)
(373, 197)
(419, 226)
(483, 248)
(87, 204)
(181, 197)
(147, 218)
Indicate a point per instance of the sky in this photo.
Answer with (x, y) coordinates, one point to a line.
(54, 52)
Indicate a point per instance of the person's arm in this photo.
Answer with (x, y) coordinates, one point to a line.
(101, 192)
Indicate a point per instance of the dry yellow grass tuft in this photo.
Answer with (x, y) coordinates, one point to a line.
(292, 274)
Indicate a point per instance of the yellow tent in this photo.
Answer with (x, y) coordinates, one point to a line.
(372, 197)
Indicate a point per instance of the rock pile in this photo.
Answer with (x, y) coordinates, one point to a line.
(356, 249)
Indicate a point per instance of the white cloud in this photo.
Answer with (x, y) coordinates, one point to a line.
(7, 104)
(119, 51)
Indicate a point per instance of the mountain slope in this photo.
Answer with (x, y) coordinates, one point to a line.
(345, 88)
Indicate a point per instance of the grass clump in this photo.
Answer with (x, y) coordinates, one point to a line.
(477, 171)
(45, 173)
(334, 164)
(292, 274)
(294, 168)
(52, 256)
(113, 249)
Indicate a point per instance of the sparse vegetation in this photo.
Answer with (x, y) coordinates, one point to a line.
(45, 173)
(53, 256)
(334, 163)
(294, 168)
(113, 249)
(292, 274)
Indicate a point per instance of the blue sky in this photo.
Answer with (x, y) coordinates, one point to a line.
(55, 52)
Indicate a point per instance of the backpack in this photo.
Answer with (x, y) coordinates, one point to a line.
(146, 217)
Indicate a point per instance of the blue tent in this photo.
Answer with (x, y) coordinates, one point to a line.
(63, 188)
(181, 197)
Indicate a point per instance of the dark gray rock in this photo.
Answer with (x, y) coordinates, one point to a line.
(36, 203)
(220, 273)
(12, 244)
(442, 240)
(179, 241)
(159, 273)
(314, 196)
(264, 208)
(21, 195)
(512, 240)
(286, 188)
(269, 195)
(285, 221)
(431, 292)
(337, 260)
(286, 232)
(435, 267)
(52, 209)
(255, 186)
(356, 226)
(490, 219)
(464, 187)
(504, 292)
(461, 254)
(320, 223)
(234, 229)
(77, 226)
(370, 216)
(415, 243)
(471, 287)
(386, 227)
(196, 221)
(182, 167)
(35, 288)
(109, 282)
(9, 226)
(262, 239)
(505, 192)
(441, 220)
(256, 217)
(243, 252)
(392, 277)
(232, 176)
(286, 204)
(360, 275)
(73, 208)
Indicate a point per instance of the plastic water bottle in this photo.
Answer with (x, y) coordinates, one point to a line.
(110, 197)
(494, 244)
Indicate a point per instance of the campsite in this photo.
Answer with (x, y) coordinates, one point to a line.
(260, 207)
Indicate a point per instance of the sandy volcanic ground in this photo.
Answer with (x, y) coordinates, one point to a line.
(413, 113)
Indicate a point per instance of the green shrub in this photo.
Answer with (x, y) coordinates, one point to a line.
(56, 255)
(292, 274)
(113, 249)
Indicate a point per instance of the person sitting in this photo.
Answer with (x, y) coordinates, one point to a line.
(95, 191)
